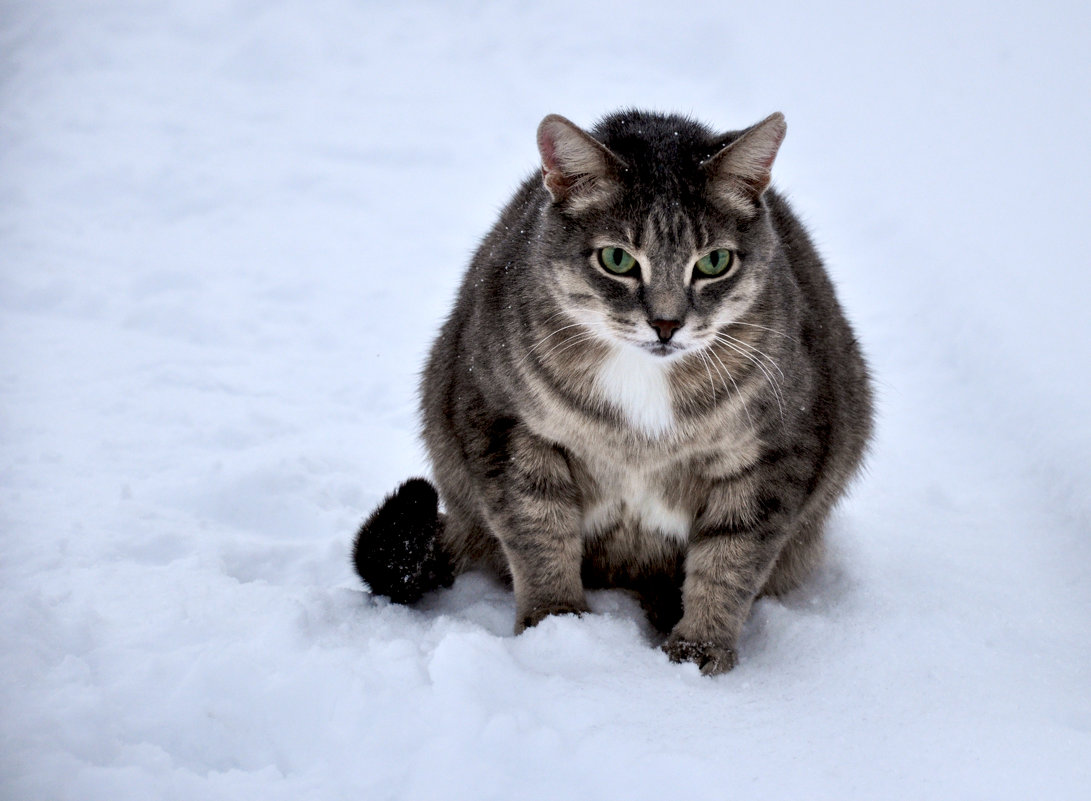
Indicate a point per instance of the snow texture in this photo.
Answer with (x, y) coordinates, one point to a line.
(228, 233)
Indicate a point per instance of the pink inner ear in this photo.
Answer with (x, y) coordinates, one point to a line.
(548, 151)
(767, 162)
(552, 174)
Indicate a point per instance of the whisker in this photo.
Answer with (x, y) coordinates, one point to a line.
(554, 315)
(542, 341)
(575, 339)
(704, 359)
(748, 346)
(738, 392)
(568, 339)
(554, 333)
(763, 328)
(773, 384)
(727, 340)
(592, 330)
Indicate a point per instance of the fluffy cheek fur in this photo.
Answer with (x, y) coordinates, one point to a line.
(717, 304)
(606, 307)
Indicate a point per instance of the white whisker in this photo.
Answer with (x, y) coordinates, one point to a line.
(750, 347)
(763, 328)
(773, 384)
(572, 341)
(542, 341)
(554, 333)
(712, 385)
(738, 392)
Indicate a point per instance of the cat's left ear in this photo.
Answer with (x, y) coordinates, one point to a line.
(577, 169)
(740, 173)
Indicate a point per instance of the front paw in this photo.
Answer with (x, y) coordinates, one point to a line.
(712, 658)
(539, 613)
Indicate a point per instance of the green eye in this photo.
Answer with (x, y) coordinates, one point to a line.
(617, 261)
(715, 263)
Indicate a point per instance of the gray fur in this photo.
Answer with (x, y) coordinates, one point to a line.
(560, 476)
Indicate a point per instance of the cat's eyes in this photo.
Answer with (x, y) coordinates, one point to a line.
(620, 262)
(617, 261)
(715, 263)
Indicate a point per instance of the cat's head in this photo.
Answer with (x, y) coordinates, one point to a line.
(657, 235)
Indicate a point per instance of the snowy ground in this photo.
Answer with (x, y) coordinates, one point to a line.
(228, 232)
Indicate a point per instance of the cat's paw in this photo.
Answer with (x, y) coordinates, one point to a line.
(711, 657)
(540, 613)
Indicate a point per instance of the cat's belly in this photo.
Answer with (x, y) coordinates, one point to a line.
(636, 503)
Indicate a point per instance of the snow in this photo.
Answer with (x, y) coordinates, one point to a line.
(228, 234)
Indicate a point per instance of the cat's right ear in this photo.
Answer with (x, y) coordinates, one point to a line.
(577, 169)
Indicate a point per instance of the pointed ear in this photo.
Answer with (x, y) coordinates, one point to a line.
(740, 173)
(577, 169)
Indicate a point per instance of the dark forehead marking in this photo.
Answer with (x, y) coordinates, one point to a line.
(668, 227)
(663, 154)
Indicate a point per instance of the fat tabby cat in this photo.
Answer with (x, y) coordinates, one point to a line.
(647, 382)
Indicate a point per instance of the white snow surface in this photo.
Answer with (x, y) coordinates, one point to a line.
(229, 231)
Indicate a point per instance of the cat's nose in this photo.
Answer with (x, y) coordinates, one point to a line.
(665, 328)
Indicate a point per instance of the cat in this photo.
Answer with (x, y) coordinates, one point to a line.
(647, 382)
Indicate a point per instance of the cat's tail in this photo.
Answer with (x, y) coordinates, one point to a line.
(397, 550)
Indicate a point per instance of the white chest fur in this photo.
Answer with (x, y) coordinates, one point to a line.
(630, 497)
(637, 384)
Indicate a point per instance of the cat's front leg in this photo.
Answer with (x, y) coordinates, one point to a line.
(726, 566)
(534, 511)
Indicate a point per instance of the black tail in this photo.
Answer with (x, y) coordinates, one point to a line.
(397, 550)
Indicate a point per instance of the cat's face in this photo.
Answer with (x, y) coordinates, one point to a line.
(657, 245)
(665, 283)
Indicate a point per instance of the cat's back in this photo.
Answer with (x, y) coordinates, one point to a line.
(470, 335)
(841, 405)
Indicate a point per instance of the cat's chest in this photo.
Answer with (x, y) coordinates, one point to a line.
(638, 386)
(620, 493)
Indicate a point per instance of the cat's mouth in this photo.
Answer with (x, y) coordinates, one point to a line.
(662, 348)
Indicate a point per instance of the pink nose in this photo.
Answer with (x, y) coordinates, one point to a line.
(665, 328)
